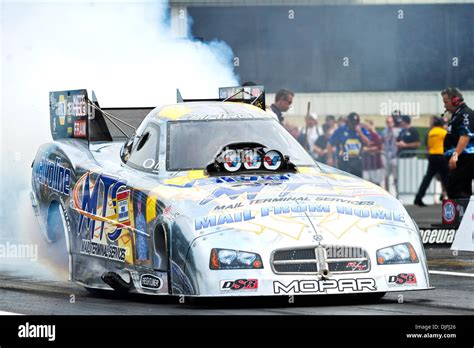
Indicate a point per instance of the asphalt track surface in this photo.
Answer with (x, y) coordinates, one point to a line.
(30, 289)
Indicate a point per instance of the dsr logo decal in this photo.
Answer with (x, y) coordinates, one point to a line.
(401, 279)
(240, 284)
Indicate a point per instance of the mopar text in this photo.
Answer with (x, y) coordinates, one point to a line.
(315, 286)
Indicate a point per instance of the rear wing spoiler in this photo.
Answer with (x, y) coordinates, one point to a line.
(254, 95)
(74, 116)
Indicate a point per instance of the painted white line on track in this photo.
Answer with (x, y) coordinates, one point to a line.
(9, 313)
(458, 274)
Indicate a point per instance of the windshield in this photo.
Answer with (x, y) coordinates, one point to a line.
(193, 144)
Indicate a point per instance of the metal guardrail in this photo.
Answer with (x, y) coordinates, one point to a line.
(411, 168)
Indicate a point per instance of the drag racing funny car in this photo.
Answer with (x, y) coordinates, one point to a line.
(214, 198)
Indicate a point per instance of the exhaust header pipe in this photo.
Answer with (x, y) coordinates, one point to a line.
(323, 267)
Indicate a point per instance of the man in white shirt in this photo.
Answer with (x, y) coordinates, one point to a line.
(309, 133)
(389, 136)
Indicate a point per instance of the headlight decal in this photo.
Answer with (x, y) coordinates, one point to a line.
(397, 254)
(234, 259)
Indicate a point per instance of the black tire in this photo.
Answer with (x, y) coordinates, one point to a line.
(373, 296)
(97, 292)
(104, 293)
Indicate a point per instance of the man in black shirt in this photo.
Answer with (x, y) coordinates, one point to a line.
(408, 139)
(283, 101)
(459, 144)
(321, 144)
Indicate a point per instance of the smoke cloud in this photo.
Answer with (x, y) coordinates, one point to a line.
(126, 52)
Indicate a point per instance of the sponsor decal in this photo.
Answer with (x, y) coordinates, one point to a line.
(54, 175)
(261, 179)
(75, 106)
(356, 265)
(66, 215)
(246, 215)
(449, 211)
(322, 286)
(437, 236)
(291, 199)
(171, 213)
(296, 199)
(252, 160)
(272, 160)
(256, 92)
(80, 129)
(150, 281)
(341, 200)
(268, 179)
(401, 279)
(250, 186)
(239, 284)
(232, 161)
(106, 251)
(105, 188)
(123, 202)
(234, 192)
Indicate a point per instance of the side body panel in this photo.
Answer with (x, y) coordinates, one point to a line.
(109, 217)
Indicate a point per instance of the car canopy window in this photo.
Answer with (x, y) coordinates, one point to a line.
(194, 144)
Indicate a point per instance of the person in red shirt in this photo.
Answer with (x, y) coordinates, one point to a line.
(372, 156)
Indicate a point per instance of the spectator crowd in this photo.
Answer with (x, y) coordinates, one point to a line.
(362, 150)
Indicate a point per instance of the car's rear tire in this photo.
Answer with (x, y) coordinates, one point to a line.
(58, 249)
(54, 225)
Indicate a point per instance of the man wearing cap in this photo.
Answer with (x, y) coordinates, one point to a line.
(348, 141)
(408, 139)
(459, 144)
(309, 133)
